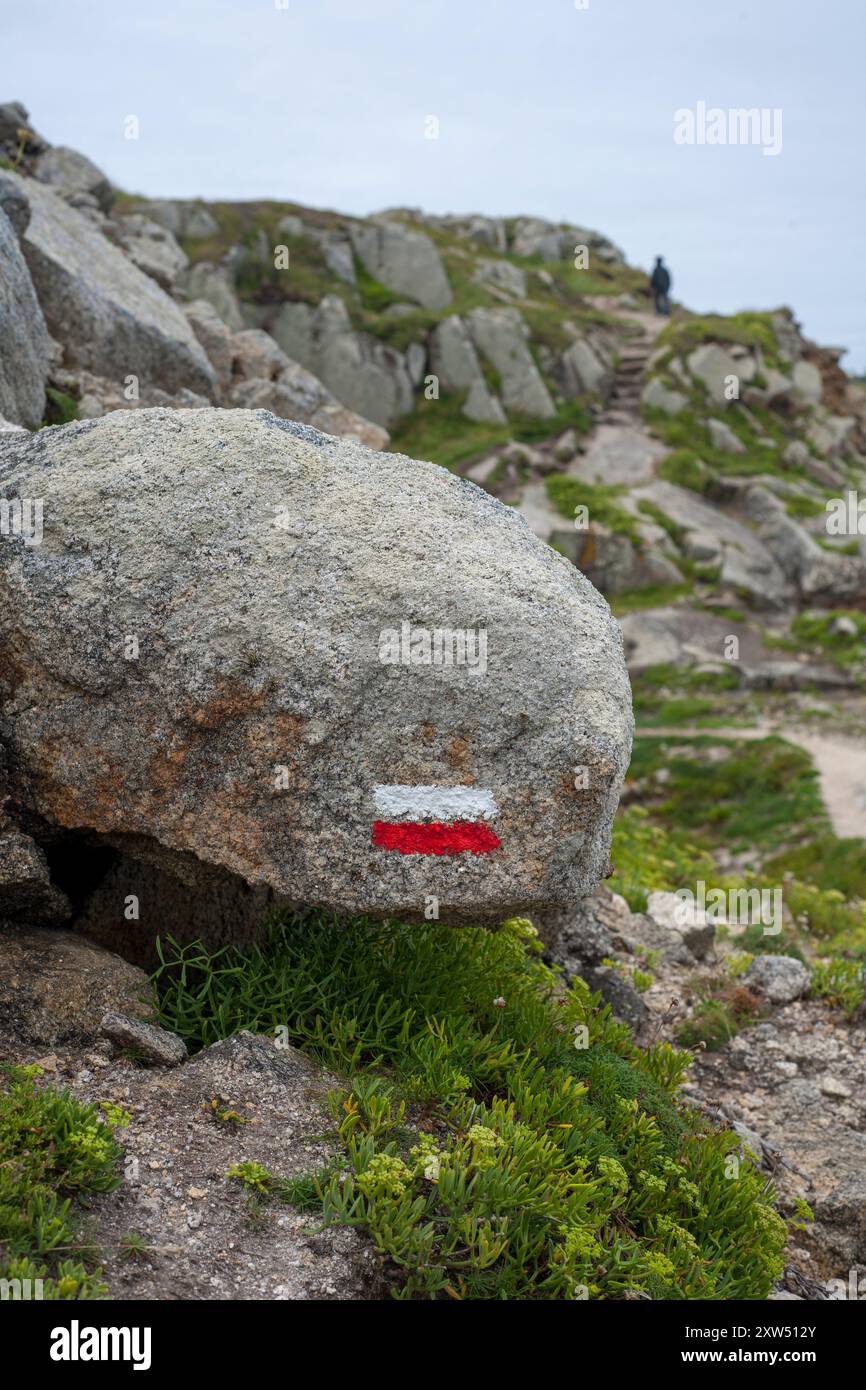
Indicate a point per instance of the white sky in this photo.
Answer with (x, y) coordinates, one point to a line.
(543, 109)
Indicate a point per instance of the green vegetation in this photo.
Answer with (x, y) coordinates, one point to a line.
(503, 1136)
(725, 1008)
(60, 408)
(438, 431)
(601, 501)
(669, 695)
(759, 798)
(683, 467)
(813, 631)
(754, 330)
(374, 297)
(841, 982)
(764, 795)
(696, 462)
(53, 1150)
(650, 596)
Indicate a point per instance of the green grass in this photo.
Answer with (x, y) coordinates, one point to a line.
(762, 799)
(684, 468)
(812, 631)
(375, 297)
(53, 1152)
(650, 596)
(754, 330)
(601, 500)
(503, 1137)
(842, 983)
(765, 795)
(438, 431)
(669, 695)
(688, 435)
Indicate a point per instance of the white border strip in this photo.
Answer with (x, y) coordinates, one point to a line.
(434, 803)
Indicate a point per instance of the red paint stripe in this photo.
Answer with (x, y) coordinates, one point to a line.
(432, 837)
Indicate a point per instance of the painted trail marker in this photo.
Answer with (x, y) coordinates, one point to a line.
(434, 820)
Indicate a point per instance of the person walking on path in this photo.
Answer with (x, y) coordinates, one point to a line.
(660, 280)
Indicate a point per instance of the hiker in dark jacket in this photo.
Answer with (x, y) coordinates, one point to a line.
(660, 280)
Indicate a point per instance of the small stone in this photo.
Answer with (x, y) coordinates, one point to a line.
(151, 1044)
(833, 1086)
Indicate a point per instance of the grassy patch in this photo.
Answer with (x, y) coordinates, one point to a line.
(668, 695)
(548, 1157)
(438, 431)
(60, 408)
(53, 1150)
(750, 329)
(601, 501)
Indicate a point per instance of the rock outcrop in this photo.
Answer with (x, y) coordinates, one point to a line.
(109, 317)
(403, 260)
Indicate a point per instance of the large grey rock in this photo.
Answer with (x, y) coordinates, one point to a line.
(807, 382)
(454, 360)
(780, 979)
(501, 335)
(214, 335)
(366, 375)
(255, 354)
(532, 236)
(715, 366)
(71, 172)
(146, 1041)
(13, 117)
(26, 891)
(153, 248)
(108, 315)
(404, 261)
(24, 357)
(55, 987)
(611, 562)
(489, 232)
(503, 275)
(214, 284)
(339, 255)
(261, 568)
(722, 437)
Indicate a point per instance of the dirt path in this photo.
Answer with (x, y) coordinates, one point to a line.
(840, 762)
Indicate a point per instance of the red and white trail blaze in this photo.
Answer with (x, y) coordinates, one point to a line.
(434, 820)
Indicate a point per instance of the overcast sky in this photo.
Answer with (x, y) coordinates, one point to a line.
(543, 108)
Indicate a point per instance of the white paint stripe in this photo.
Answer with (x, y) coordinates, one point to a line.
(434, 803)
